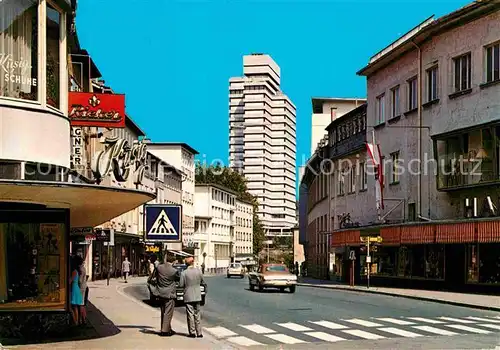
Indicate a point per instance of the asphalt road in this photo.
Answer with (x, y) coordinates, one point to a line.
(330, 319)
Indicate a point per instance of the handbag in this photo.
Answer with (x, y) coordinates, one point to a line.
(153, 283)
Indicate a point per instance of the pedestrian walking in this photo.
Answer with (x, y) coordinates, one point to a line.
(126, 268)
(166, 276)
(192, 280)
(76, 299)
(203, 268)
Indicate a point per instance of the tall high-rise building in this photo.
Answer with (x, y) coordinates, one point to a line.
(262, 141)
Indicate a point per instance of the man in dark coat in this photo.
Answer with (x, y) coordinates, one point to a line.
(167, 276)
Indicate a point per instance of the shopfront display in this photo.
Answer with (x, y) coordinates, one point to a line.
(33, 260)
(483, 263)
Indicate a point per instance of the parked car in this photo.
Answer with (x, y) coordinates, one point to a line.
(235, 269)
(180, 291)
(272, 276)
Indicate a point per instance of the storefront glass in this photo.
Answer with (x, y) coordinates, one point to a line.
(472, 263)
(387, 261)
(33, 260)
(19, 49)
(489, 263)
(53, 56)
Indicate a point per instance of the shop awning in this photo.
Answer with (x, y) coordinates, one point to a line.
(90, 205)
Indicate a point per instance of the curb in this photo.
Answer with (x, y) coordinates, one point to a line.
(439, 301)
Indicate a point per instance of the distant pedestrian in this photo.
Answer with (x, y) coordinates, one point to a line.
(166, 277)
(297, 269)
(126, 268)
(191, 281)
(203, 268)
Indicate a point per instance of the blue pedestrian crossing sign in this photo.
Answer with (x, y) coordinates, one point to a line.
(163, 223)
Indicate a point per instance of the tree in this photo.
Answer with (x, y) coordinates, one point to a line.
(234, 181)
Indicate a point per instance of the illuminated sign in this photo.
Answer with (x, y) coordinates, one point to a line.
(99, 110)
(152, 249)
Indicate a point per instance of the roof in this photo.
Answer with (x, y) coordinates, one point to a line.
(426, 30)
(352, 113)
(222, 188)
(129, 122)
(166, 165)
(318, 101)
(181, 144)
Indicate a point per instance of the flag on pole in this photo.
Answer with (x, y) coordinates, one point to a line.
(376, 157)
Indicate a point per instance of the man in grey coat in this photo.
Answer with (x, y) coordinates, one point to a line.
(191, 281)
(166, 276)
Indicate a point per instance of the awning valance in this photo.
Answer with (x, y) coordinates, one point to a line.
(90, 205)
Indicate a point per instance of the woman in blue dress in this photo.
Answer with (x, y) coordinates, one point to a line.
(76, 297)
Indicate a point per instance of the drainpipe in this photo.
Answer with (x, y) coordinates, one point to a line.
(419, 139)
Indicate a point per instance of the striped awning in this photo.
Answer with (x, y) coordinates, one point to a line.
(179, 253)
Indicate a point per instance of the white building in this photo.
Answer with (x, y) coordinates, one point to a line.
(223, 226)
(325, 110)
(180, 156)
(262, 141)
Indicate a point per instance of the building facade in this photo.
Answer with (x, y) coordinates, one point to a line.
(181, 156)
(326, 110)
(42, 199)
(433, 110)
(243, 230)
(262, 141)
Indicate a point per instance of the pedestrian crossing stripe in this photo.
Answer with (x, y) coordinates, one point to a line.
(162, 226)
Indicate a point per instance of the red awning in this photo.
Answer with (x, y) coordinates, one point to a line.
(455, 233)
(391, 235)
(352, 238)
(338, 239)
(418, 234)
(488, 231)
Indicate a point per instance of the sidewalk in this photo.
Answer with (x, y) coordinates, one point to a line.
(477, 301)
(121, 322)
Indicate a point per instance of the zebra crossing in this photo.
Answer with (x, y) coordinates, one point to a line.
(312, 331)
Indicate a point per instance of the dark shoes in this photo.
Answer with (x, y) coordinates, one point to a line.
(167, 334)
(195, 336)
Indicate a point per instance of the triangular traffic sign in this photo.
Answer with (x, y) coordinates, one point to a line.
(162, 226)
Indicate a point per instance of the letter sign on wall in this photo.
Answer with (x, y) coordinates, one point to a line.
(78, 147)
(100, 110)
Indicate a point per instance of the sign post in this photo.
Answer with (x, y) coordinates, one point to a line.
(368, 240)
(352, 257)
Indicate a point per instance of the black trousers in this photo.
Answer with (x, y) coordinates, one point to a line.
(167, 308)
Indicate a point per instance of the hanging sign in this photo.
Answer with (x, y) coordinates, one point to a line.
(121, 159)
(99, 110)
(77, 151)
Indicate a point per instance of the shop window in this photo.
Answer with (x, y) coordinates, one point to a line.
(387, 260)
(489, 263)
(19, 54)
(10, 170)
(41, 172)
(418, 261)
(434, 261)
(53, 57)
(472, 263)
(33, 273)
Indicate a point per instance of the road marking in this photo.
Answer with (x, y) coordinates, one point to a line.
(257, 329)
(434, 330)
(489, 325)
(328, 324)
(400, 332)
(295, 327)
(364, 323)
(426, 320)
(282, 338)
(451, 319)
(468, 329)
(483, 319)
(363, 334)
(243, 341)
(396, 321)
(324, 336)
(220, 332)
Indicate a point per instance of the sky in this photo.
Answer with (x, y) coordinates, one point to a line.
(173, 59)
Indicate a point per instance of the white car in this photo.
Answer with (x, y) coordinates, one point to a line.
(235, 269)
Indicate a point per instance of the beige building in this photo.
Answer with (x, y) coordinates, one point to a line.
(243, 230)
(324, 111)
(262, 141)
(433, 109)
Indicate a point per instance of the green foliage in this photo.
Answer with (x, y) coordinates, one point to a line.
(234, 181)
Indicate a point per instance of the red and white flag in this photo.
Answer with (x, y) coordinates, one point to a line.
(376, 157)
